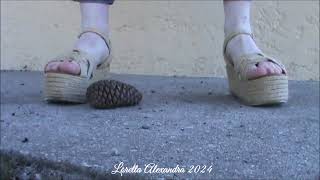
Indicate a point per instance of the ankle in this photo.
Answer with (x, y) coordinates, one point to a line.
(94, 45)
(240, 45)
(232, 28)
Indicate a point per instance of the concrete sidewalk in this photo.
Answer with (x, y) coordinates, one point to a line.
(181, 121)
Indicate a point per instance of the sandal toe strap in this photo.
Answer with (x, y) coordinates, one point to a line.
(241, 66)
(245, 61)
(84, 60)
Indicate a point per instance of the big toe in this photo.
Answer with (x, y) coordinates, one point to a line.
(256, 72)
(264, 68)
(69, 67)
(271, 68)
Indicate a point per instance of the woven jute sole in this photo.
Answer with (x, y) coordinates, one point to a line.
(267, 90)
(70, 88)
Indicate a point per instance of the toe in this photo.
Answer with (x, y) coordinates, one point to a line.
(52, 67)
(256, 71)
(279, 69)
(269, 66)
(276, 69)
(68, 67)
(264, 68)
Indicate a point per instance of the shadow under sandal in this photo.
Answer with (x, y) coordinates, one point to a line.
(266, 90)
(59, 87)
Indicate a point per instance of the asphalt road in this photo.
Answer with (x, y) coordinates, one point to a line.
(181, 122)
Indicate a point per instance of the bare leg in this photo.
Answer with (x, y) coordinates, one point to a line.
(237, 17)
(94, 15)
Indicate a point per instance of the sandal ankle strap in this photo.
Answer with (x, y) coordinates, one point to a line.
(103, 35)
(106, 39)
(232, 35)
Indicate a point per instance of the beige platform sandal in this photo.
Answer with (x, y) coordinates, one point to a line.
(60, 87)
(265, 90)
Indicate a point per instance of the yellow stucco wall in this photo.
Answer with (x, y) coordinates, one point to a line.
(162, 37)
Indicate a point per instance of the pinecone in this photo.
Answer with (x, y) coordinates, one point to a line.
(106, 94)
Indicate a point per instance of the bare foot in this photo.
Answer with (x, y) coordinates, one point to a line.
(244, 44)
(90, 43)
